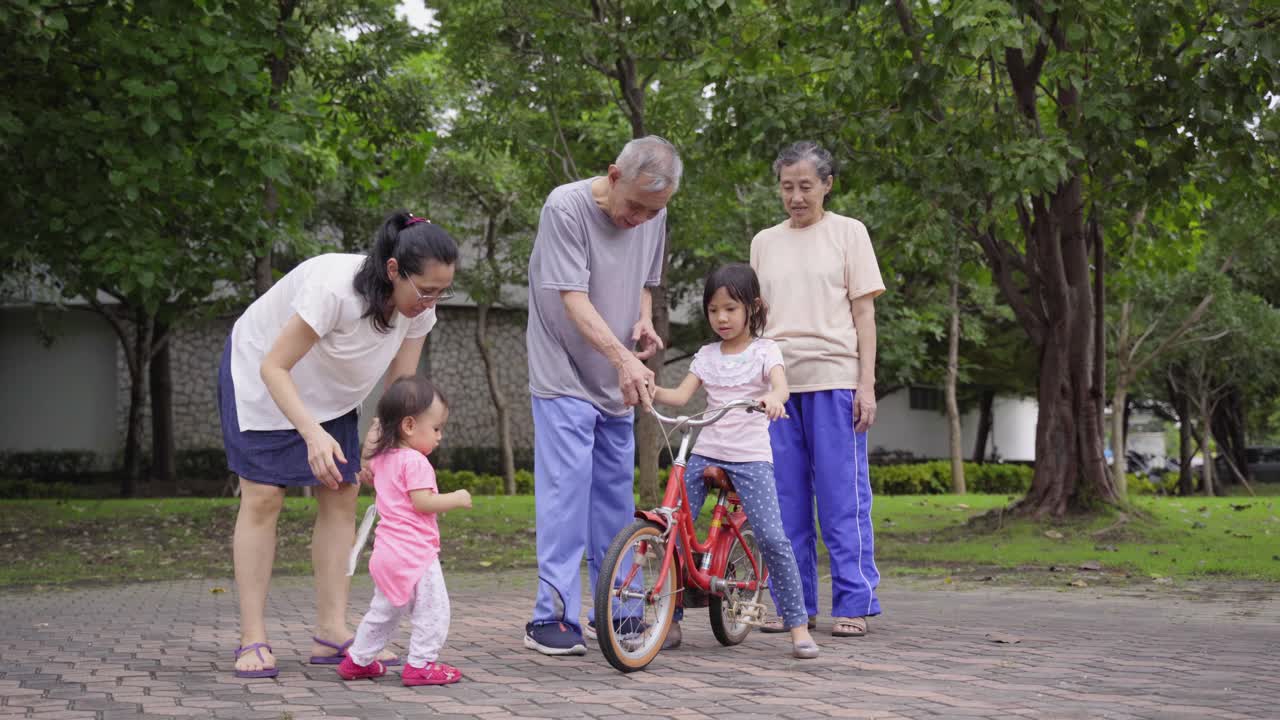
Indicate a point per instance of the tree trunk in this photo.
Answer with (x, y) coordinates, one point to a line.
(1119, 438)
(1070, 472)
(500, 404)
(279, 65)
(648, 435)
(1206, 428)
(1228, 431)
(163, 451)
(986, 420)
(1182, 407)
(953, 371)
(139, 357)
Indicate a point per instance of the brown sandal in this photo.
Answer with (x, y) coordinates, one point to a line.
(848, 627)
(774, 625)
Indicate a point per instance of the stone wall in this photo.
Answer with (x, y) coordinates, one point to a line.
(452, 360)
(454, 364)
(194, 351)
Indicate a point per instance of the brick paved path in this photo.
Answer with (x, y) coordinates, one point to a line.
(164, 650)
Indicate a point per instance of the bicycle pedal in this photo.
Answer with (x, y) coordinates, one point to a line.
(749, 613)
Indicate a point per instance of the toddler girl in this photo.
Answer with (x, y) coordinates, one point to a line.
(405, 564)
(742, 365)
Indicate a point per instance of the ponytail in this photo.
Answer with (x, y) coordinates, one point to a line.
(413, 242)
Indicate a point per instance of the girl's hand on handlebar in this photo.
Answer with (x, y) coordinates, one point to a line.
(772, 407)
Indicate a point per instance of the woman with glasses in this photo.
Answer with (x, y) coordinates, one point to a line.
(299, 362)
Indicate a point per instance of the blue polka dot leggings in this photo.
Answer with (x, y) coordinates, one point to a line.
(759, 493)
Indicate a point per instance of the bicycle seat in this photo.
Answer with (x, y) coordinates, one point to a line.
(717, 479)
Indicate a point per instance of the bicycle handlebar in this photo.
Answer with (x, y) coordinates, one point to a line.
(685, 420)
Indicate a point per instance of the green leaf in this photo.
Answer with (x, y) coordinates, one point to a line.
(214, 63)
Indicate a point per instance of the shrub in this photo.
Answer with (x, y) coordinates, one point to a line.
(50, 464)
(28, 489)
(480, 460)
(934, 478)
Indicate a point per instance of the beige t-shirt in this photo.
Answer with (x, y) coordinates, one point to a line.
(809, 278)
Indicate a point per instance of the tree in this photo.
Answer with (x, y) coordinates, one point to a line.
(1027, 122)
(589, 65)
(128, 136)
(491, 190)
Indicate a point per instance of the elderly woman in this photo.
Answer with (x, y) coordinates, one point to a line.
(819, 276)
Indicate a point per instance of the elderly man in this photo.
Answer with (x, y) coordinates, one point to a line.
(597, 252)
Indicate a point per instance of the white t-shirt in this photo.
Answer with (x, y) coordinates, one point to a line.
(338, 372)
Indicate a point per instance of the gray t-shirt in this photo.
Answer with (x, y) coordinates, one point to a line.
(579, 248)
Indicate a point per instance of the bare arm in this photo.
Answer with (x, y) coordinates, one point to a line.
(634, 378)
(864, 320)
(404, 363)
(428, 501)
(775, 401)
(296, 340)
(679, 395)
(406, 360)
(642, 334)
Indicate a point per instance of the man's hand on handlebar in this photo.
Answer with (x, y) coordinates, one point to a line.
(636, 381)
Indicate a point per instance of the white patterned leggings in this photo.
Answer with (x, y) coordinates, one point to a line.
(429, 613)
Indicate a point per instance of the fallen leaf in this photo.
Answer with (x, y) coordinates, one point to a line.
(217, 590)
(1003, 638)
(486, 563)
(1078, 583)
(1091, 565)
(1053, 534)
(962, 506)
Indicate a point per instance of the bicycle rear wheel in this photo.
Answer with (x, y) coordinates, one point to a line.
(727, 612)
(632, 620)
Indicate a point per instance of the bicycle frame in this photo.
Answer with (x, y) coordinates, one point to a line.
(675, 515)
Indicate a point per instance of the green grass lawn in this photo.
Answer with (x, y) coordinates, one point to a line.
(1165, 538)
(50, 542)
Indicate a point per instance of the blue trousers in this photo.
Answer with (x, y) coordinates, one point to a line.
(818, 456)
(755, 485)
(583, 478)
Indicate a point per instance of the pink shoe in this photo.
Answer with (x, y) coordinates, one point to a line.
(349, 670)
(433, 674)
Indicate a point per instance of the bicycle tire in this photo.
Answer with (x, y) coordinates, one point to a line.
(613, 646)
(727, 631)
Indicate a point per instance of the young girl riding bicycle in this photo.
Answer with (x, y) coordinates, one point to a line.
(743, 365)
(405, 564)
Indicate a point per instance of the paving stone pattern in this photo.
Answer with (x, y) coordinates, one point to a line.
(163, 650)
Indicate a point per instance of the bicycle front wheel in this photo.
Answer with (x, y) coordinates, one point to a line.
(730, 612)
(632, 619)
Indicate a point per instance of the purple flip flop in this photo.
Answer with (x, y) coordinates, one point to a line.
(257, 649)
(336, 658)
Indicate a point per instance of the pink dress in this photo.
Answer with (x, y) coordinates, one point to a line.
(406, 541)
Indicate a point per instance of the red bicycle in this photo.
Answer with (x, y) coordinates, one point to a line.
(658, 561)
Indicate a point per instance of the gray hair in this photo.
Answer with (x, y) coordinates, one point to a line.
(801, 151)
(654, 158)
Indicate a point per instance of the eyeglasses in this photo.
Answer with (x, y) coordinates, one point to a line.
(424, 298)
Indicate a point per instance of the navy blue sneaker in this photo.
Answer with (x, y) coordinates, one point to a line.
(625, 628)
(554, 638)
